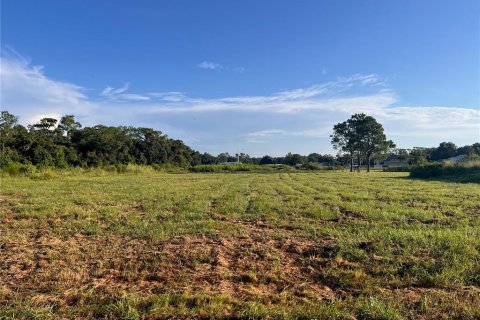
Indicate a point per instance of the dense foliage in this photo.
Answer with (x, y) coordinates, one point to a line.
(66, 143)
(361, 136)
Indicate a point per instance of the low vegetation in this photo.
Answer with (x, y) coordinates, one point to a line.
(468, 171)
(146, 244)
(260, 168)
(241, 168)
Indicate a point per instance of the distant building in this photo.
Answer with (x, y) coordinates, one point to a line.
(455, 159)
(229, 163)
(377, 164)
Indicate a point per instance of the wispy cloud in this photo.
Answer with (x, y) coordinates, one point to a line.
(343, 93)
(263, 136)
(121, 94)
(210, 65)
(26, 90)
(289, 120)
(173, 96)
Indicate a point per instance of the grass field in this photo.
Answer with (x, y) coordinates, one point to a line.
(280, 245)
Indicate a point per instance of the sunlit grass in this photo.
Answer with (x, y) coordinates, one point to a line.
(151, 244)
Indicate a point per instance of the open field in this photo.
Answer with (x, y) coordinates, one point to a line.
(279, 245)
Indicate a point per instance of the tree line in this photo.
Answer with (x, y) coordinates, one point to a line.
(65, 142)
(445, 150)
(291, 159)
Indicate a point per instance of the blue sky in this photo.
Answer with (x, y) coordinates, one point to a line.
(251, 76)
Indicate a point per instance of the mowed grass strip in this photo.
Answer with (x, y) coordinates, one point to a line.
(216, 245)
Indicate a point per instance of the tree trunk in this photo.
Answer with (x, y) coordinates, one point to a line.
(351, 162)
(358, 161)
(368, 165)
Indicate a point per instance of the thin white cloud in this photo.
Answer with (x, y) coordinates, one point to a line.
(264, 136)
(209, 65)
(334, 95)
(26, 91)
(267, 133)
(173, 96)
(322, 132)
(121, 95)
(109, 91)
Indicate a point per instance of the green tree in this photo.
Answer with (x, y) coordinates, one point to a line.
(371, 138)
(344, 139)
(444, 150)
(361, 135)
(207, 158)
(68, 124)
(266, 160)
(45, 124)
(293, 159)
(7, 122)
(418, 156)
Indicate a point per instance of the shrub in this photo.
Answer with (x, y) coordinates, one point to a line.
(241, 168)
(12, 168)
(205, 168)
(168, 167)
(45, 173)
(397, 169)
(314, 166)
(28, 169)
(17, 169)
(121, 168)
(462, 169)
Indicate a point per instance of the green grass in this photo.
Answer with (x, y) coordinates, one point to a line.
(148, 244)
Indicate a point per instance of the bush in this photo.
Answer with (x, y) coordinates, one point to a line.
(7, 156)
(45, 173)
(206, 168)
(12, 168)
(18, 169)
(467, 169)
(397, 169)
(241, 168)
(426, 171)
(116, 168)
(222, 168)
(28, 170)
(314, 166)
(168, 168)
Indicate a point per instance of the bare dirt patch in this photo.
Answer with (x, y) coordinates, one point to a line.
(8, 204)
(46, 268)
